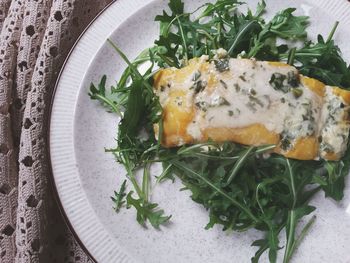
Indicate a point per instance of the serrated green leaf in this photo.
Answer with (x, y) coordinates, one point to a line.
(147, 212)
(118, 198)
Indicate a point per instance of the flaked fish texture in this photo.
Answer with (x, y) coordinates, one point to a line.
(253, 103)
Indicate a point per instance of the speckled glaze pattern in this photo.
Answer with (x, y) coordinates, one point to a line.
(85, 176)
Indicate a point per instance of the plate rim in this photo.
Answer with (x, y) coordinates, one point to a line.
(342, 13)
(51, 177)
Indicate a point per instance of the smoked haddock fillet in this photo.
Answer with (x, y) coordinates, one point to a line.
(253, 103)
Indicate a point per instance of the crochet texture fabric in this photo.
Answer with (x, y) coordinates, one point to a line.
(35, 38)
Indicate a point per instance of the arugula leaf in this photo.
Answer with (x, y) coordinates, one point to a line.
(260, 9)
(238, 164)
(293, 217)
(176, 6)
(118, 198)
(284, 25)
(147, 211)
(243, 34)
(301, 237)
(323, 61)
(273, 243)
(287, 26)
(99, 93)
(219, 7)
(334, 179)
(131, 121)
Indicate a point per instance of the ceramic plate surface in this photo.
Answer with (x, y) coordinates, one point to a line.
(85, 176)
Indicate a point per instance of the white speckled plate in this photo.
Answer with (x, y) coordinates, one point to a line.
(85, 176)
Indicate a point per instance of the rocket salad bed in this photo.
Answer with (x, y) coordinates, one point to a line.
(241, 187)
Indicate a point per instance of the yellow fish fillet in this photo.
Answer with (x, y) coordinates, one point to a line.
(253, 103)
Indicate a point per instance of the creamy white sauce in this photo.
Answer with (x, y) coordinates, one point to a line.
(335, 128)
(194, 130)
(250, 99)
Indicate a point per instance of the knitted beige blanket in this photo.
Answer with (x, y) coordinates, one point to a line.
(35, 38)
